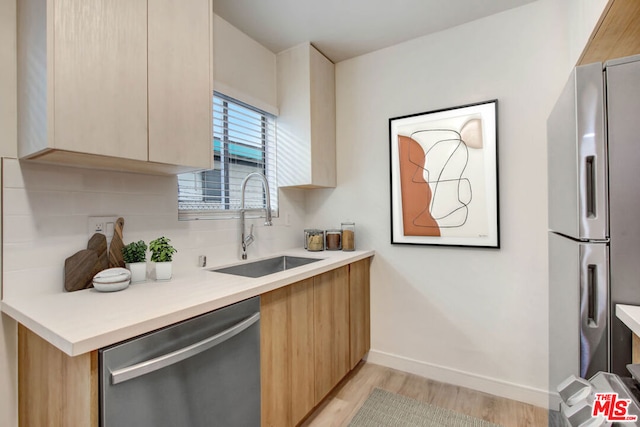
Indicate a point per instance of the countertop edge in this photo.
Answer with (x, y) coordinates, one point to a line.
(630, 316)
(50, 336)
(20, 310)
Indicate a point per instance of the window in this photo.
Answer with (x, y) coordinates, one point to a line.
(243, 142)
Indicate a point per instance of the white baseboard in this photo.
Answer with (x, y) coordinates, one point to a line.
(533, 396)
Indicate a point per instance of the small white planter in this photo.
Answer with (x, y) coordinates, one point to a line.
(138, 271)
(163, 270)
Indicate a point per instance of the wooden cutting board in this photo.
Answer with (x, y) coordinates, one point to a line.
(98, 244)
(80, 267)
(117, 243)
(79, 270)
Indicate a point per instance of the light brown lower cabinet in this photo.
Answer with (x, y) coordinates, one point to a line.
(313, 333)
(330, 329)
(54, 389)
(286, 350)
(359, 311)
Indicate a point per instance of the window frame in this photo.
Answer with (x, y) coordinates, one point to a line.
(224, 207)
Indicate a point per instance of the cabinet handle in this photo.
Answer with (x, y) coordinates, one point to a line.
(151, 365)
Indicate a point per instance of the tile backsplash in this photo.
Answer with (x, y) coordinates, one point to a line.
(46, 209)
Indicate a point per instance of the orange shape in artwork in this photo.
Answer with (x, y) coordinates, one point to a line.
(415, 191)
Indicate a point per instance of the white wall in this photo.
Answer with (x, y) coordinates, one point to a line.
(8, 89)
(8, 132)
(474, 317)
(8, 371)
(583, 17)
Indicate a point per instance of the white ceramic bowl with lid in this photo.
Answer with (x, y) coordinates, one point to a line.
(112, 279)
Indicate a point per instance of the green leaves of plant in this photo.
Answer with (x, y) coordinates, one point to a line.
(161, 250)
(135, 252)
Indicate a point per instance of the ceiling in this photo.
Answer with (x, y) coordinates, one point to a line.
(342, 29)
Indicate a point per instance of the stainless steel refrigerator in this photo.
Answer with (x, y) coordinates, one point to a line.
(594, 218)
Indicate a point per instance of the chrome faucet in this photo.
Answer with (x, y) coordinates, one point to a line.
(245, 240)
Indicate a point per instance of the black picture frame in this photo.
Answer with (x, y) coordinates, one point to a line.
(444, 177)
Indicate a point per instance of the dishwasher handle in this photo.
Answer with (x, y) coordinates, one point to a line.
(148, 366)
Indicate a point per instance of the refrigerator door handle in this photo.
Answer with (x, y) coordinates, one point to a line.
(594, 308)
(593, 192)
(592, 295)
(591, 210)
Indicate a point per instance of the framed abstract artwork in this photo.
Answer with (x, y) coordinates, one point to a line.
(444, 177)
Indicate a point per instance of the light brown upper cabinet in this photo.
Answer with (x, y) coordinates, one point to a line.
(307, 118)
(122, 85)
(616, 35)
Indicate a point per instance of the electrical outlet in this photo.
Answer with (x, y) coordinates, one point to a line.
(103, 225)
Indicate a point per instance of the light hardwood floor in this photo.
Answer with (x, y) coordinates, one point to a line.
(345, 400)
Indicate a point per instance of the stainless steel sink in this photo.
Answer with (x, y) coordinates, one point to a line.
(266, 266)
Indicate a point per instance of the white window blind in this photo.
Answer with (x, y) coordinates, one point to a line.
(244, 141)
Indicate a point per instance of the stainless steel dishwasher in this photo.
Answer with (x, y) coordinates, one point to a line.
(204, 371)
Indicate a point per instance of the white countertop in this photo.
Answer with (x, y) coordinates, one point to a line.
(630, 316)
(83, 321)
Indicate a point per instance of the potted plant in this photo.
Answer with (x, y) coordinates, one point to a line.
(135, 258)
(162, 255)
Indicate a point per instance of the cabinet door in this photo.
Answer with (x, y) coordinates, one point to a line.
(286, 348)
(359, 303)
(331, 329)
(323, 120)
(100, 77)
(180, 95)
(54, 389)
(307, 119)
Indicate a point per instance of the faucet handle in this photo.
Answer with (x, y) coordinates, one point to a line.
(248, 240)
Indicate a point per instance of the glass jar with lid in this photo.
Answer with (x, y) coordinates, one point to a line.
(313, 239)
(333, 239)
(348, 236)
